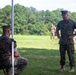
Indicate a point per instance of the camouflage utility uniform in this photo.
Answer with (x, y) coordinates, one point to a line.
(6, 53)
(53, 29)
(66, 27)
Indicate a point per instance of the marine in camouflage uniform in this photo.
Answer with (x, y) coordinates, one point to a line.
(66, 27)
(52, 31)
(6, 53)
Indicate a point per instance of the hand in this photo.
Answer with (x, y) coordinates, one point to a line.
(71, 37)
(16, 54)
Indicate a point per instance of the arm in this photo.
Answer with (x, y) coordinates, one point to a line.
(58, 31)
(74, 28)
(74, 25)
(16, 53)
(54, 28)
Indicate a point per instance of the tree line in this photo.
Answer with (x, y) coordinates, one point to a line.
(30, 21)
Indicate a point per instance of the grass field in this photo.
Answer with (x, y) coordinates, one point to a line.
(42, 54)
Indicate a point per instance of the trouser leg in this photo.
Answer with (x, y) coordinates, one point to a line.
(70, 51)
(8, 71)
(62, 54)
(21, 64)
(51, 35)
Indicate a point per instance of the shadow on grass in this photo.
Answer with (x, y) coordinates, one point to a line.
(38, 51)
(43, 62)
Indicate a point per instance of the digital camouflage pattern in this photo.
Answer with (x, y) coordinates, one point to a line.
(6, 55)
(66, 28)
(52, 31)
(20, 63)
(5, 50)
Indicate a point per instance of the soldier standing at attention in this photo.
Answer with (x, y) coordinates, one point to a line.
(6, 53)
(66, 27)
(53, 29)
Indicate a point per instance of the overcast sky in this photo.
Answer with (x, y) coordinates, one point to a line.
(44, 4)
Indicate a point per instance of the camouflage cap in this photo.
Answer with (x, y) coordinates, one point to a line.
(64, 12)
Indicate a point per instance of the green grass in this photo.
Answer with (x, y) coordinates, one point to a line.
(42, 42)
(42, 54)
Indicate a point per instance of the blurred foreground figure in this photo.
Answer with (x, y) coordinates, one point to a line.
(6, 53)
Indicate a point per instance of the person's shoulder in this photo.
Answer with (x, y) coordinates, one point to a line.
(60, 22)
(6, 38)
(71, 20)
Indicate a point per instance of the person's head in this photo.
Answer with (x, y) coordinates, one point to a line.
(6, 30)
(65, 15)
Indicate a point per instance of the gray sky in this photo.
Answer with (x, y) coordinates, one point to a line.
(44, 4)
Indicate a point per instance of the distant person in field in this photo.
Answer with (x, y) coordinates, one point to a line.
(6, 53)
(66, 27)
(52, 31)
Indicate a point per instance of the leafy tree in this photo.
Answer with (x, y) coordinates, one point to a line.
(28, 20)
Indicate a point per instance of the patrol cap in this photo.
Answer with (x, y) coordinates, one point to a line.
(6, 28)
(64, 12)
